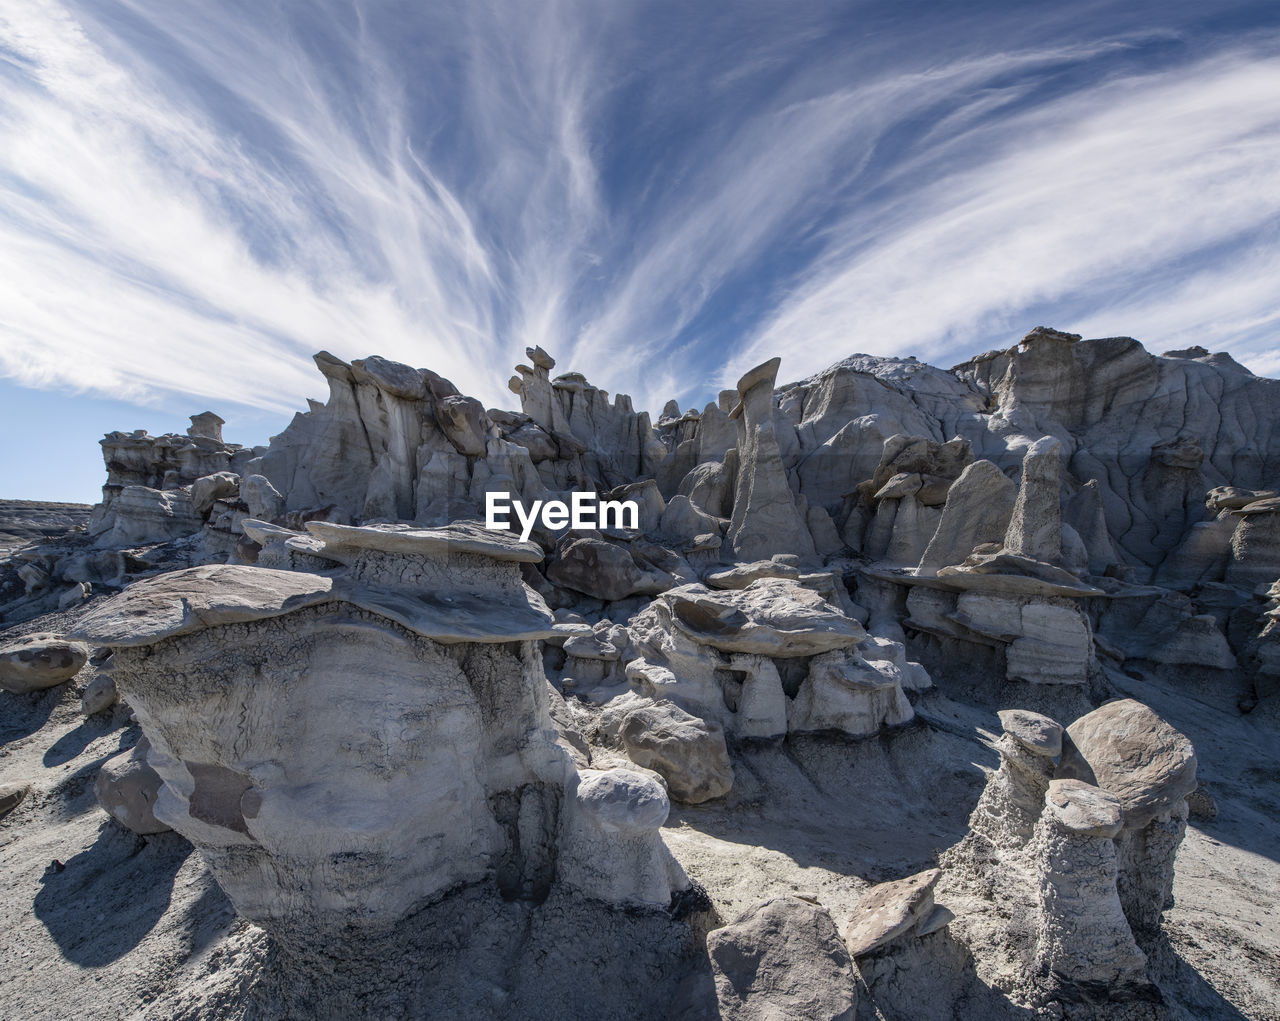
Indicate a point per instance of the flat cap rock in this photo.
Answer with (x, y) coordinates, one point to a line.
(770, 617)
(459, 537)
(890, 910)
(38, 661)
(591, 646)
(1084, 809)
(1036, 733)
(744, 574)
(1130, 751)
(196, 598)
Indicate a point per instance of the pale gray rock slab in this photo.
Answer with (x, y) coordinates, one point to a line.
(189, 600)
(742, 575)
(771, 616)
(1037, 733)
(782, 958)
(978, 507)
(38, 661)
(455, 616)
(458, 537)
(1128, 750)
(127, 789)
(1084, 809)
(690, 753)
(890, 910)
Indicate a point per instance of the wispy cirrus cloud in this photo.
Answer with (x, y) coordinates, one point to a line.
(194, 198)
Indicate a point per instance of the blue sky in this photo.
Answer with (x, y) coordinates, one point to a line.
(195, 197)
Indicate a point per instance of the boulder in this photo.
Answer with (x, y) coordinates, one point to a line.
(890, 911)
(1128, 750)
(39, 661)
(99, 695)
(689, 753)
(11, 796)
(597, 568)
(208, 490)
(128, 788)
(782, 958)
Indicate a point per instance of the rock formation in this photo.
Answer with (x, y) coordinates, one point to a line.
(395, 736)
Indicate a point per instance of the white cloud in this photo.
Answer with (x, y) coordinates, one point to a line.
(198, 207)
(1078, 202)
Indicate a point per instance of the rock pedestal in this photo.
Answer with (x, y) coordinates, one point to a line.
(345, 748)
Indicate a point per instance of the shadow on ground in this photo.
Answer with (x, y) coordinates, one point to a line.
(102, 903)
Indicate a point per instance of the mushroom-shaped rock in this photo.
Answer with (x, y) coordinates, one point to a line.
(1084, 942)
(781, 958)
(766, 518)
(1012, 800)
(39, 661)
(889, 911)
(844, 693)
(1150, 767)
(770, 617)
(688, 752)
(612, 847)
(1127, 749)
(127, 789)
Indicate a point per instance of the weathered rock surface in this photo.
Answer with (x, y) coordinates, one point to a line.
(127, 789)
(689, 752)
(39, 661)
(890, 911)
(781, 958)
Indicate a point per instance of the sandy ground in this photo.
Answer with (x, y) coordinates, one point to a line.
(126, 926)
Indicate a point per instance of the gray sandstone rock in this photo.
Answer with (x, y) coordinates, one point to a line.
(39, 661)
(766, 519)
(689, 752)
(782, 958)
(127, 789)
(890, 911)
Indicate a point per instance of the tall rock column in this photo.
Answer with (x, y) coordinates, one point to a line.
(766, 519)
(1035, 529)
